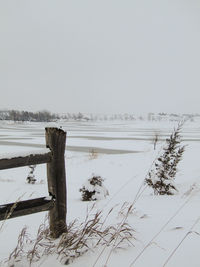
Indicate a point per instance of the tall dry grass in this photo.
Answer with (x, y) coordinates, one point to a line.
(80, 238)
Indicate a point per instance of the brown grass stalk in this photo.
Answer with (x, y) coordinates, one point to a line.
(80, 238)
(161, 229)
(182, 240)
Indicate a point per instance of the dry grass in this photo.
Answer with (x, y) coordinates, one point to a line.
(152, 241)
(29, 248)
(123, 234)
(155, 139)
(93, 154)
(79, 239)
(9, 212)
(17, 253)
(182, 240)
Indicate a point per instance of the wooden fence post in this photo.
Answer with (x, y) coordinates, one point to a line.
(55, 141)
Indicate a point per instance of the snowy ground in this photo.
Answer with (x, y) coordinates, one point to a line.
(123, 155)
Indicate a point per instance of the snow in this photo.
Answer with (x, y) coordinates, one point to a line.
(24, 154)
(160, 222)
(48, 198)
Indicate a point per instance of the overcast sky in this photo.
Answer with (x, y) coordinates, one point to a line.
(111, 56)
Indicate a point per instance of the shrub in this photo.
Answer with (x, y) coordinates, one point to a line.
(31, 177)
(93, 189)
(161, 178)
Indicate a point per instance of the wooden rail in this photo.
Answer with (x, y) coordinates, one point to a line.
(21, 161)
(26, 207)
(56, 201)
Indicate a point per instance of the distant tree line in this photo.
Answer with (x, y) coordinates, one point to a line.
(75, 117)
(128, 117)
(40, 116)
(97, 117)
(46, 116)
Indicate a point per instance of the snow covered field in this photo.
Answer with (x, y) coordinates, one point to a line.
(124, 154)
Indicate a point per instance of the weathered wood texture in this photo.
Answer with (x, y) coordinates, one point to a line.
(26, 207)
(32, 159)
(56, 141)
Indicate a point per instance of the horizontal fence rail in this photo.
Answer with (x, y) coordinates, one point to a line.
(13, 161)
(25, 207)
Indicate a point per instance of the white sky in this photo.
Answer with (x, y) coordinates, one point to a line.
(110, 56)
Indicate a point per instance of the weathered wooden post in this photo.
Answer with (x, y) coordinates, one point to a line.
(55, 141)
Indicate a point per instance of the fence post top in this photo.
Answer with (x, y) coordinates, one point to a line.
(55, 129)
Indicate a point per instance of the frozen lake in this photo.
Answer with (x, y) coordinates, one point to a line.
(122, 153)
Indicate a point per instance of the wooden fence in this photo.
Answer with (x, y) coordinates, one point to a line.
(55, 203)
